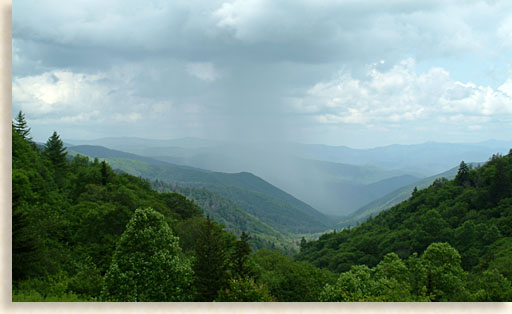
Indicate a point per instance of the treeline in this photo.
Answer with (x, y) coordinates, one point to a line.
(82, 232)
(471, 215)
(232, 216)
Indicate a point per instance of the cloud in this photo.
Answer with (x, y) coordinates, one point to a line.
(257, 68)
(401, 95)
(205, 71)
(58, 92)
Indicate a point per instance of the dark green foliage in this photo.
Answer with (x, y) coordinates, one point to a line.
(290, 281)
(462, 177)
(470, 217)
(20, 126)
(255, 196)
(244, 290)
(147, 264)
(25, 249)
(67, 220)
(240, 256)
(212, 250)
(75, 234)
(55, 151)
(492, 287)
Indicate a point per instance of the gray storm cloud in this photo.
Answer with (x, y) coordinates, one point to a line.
(244, 70)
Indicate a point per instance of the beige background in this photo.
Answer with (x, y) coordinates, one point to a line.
(282, 308)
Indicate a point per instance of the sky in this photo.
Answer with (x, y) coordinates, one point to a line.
(356, 73)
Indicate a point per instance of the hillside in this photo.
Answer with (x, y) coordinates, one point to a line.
(231, 215)
(391, 199)
(332, 188)
(473, 213)
(269, 204)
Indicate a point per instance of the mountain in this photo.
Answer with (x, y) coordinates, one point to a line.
(332, 188)
(471, 213)
(427, 158)
(137, 142)
(335, 180)
(397, 196)
(257, 197)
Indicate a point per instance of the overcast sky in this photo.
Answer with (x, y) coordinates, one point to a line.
(356, 73)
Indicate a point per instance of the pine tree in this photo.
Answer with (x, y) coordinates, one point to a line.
(240, 256)
(463, 174)
(211, 262)
(20, 126)
(56, 153)
(55, 150)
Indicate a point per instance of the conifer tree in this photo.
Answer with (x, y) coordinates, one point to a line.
(56, 153)
(211, 262)
(55, 150)
(20, 126)
(463, 174)
(240, 256)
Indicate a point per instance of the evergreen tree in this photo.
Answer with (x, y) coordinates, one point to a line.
(148, 264)
(211, 262)
(462, 177)
(25, 250)
(20, 126)
(55, 151)
(240, 257)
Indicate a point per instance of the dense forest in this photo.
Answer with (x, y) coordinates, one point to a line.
(83, 232)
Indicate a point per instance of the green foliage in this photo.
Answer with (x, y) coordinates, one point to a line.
(240, 256)
(76, 237)
(211, 263)
(20, 126)
(492, 287)
(147, 264)
(244, 289)
(55, 150)
(270, 205)
(444, 275)
(34, 296)
(290, 281)
(88, 280)
(470, 217)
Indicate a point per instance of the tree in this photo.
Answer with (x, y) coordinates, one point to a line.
(444, 275)
(211, 263)
(56, 153)
(352, 286)
(20, 126)
(462, 176)
(148, 264)
(244, 290)
(106, 173)
(240, 257)
(55, 150)
(493, 287)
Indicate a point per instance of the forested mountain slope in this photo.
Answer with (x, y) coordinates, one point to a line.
(473, 213)
(269, 204)
(81, 232)
(391, 199)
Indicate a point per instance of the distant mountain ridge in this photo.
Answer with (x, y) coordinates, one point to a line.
(395, 197)
(337, 180)
(271, 205)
